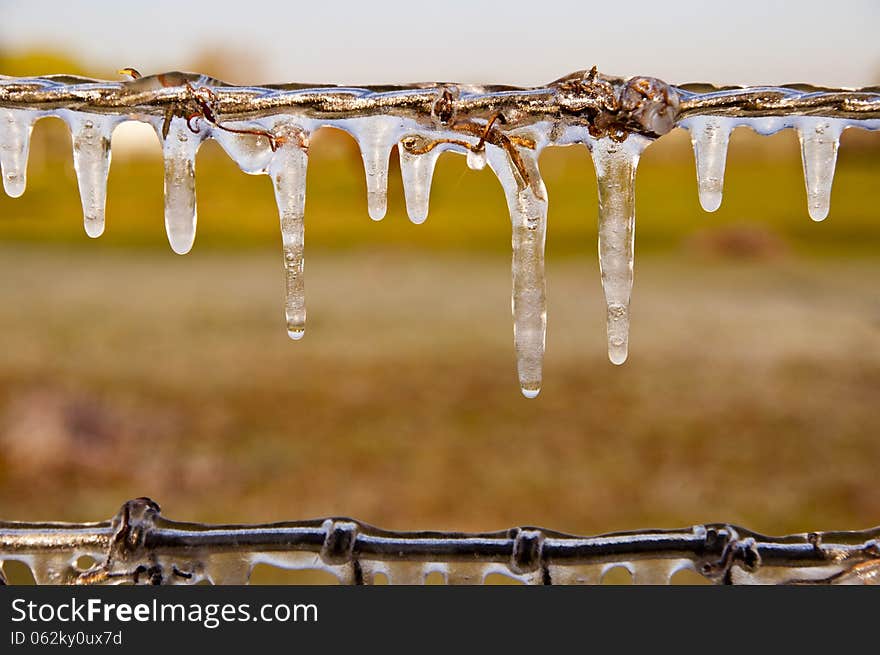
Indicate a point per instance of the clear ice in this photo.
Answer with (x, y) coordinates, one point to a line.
(710, 136)
(527, 204)
(288, 172)
(179, 150)
(15, 138)
(376, 136)
(140, 546)
(616, 165)
(819, 138)
(62, 567)
(417, 171)
(91, 134)
(277, 145)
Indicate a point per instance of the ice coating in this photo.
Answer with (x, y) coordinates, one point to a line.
(417, 171)
(288, 173)
(179, 150)
(820, 139)
(616, 165)
(140, 546)
(527, 204)
(252, 152)
(90, 134)
(62, 567)
(710, 136)
(16, 126)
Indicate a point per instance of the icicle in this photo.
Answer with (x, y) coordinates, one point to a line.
(710, 136)
(91, 135)
(820, 138)
(417, 172)
(615, 165)
(180, 149)
(15, 137)
(376, 135)
(527, 204)
(288, 172)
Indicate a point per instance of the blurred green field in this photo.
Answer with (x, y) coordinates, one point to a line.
(750, 395)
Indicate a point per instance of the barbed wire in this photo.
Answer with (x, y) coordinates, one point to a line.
(139, 545)
(604, 103)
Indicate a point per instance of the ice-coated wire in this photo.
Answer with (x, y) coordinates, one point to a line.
(139, 545)
(266, 130)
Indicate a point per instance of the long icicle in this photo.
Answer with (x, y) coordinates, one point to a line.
(527, 204)
(288, 173)
(616, 165)
(179, 149)
(820, 139)
(91, 135)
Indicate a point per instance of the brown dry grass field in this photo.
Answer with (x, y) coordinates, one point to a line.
(750, 395)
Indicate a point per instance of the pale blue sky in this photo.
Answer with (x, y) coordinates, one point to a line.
(834, 43)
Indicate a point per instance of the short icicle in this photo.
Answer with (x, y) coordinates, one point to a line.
(710, 136)
(288, 173)
(91, 160)
(527, 204)
(616, 165)
(179, 149)
(376, 136)
(16, 126)
(820, 139)
(417, 171)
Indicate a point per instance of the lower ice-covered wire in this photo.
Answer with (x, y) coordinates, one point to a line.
(140, 546)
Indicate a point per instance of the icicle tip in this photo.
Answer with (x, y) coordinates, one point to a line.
(529, 392)
(94, 226)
